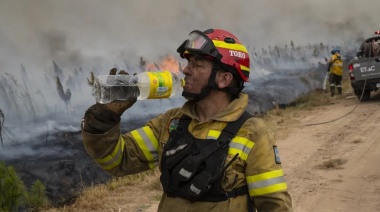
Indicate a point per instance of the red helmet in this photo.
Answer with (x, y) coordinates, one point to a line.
(218, 45)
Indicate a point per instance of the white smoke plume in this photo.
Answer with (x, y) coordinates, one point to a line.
(96, 35)
(36, 32)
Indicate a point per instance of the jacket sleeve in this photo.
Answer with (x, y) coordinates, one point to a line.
(264, 174)
(331, 61)
(123, 154)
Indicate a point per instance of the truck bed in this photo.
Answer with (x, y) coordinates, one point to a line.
(367, 68)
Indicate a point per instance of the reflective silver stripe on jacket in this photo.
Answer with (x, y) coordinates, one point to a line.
(148, 144)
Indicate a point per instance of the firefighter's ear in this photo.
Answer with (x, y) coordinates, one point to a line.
(223, 79)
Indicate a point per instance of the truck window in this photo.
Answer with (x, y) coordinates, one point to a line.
(367, 49)
(360, 52)
(375, 47)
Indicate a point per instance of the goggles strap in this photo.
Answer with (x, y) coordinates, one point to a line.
(181, 49)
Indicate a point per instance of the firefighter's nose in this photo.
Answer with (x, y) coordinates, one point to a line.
(186, 70)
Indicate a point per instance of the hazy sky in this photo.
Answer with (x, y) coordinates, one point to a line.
(89, 31)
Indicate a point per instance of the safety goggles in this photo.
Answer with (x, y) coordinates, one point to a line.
(199, 43)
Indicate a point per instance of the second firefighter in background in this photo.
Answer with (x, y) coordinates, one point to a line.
(335, 69)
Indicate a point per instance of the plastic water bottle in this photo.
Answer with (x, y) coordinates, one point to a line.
(145, 85)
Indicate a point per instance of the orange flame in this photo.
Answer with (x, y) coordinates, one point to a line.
(168, 63)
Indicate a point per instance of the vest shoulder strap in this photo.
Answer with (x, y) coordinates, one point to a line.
(233, 127)
(184, 122)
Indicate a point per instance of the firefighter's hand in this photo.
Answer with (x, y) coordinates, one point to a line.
(118, 106)
(99, 119)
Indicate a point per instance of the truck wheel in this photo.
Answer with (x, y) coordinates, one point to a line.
(366, 95)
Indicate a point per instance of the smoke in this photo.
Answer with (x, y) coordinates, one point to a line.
(73, 31)
(43, 39)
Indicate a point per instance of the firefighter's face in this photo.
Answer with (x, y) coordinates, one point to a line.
(196, 74)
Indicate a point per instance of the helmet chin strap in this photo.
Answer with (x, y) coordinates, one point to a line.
(207, 89)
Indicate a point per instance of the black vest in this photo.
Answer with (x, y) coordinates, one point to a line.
(193, 168)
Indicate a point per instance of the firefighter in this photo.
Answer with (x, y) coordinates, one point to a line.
(212, 154)
(335, 69)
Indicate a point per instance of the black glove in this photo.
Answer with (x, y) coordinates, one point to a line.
(99, 119)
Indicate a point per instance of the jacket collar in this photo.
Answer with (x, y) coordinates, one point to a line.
(231, 113)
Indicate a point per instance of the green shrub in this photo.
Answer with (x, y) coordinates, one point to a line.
(13, 193)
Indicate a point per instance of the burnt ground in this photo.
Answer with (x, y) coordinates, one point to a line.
(64, 173)
(62, 164)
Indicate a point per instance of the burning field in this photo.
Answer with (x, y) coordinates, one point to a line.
(40, 122)
(48, 51)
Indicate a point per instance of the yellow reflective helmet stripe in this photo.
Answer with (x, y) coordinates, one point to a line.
(148, 144)
(232, 46)
(114, 159)
(244, 68)
(266, 183)
(238, 144)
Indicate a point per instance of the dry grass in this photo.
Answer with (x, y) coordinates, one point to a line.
(312, 100)
(130, 193)
(357, 141)
(333, 164)
(346, 85)
(282, 121)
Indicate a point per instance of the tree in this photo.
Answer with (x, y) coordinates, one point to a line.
(36, 196)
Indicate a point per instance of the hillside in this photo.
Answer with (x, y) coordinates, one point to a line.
(329, 167)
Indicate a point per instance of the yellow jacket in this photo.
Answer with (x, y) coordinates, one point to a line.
(141, 149)
(336, 64)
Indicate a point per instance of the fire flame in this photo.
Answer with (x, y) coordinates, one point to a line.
(168, 63)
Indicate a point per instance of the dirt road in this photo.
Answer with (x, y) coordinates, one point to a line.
(334, 166)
